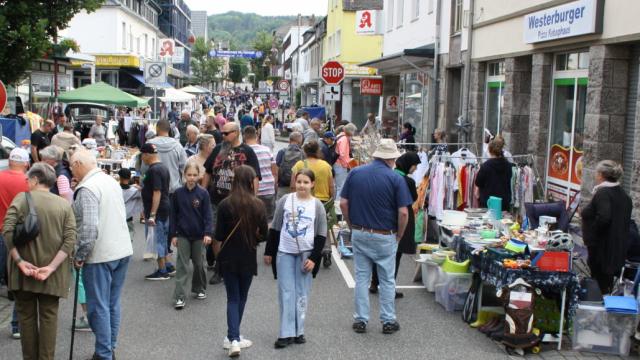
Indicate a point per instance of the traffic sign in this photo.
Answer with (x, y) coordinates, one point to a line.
(155, 73)
(282, 85)
(332, 73)
(273, 103)
(3, 96)
(332, 92)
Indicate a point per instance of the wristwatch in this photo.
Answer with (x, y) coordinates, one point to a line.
(18, 260)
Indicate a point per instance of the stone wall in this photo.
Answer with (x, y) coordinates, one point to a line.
(606, 109)
(477, 103)
(515, 113)
(635, 170)
(539, 110)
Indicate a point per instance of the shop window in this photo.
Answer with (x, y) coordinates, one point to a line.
(413, 93)
(572, 61)
(496, 69)
(110, 77)
(456, 19)
(494, 98)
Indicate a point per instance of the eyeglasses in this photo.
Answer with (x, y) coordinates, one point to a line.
(225, 133)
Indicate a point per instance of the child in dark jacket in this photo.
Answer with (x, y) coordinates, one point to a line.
(190, 228)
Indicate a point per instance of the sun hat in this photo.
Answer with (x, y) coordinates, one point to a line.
(387, 149)
(19, 155)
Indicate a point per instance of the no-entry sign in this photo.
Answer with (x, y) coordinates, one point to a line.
(3, 96)
(332, 73)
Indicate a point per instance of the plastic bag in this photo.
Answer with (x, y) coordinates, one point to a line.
(419, 234)
(150, 244)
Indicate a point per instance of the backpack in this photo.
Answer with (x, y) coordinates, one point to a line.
(333, 153)
(29, 229)
(290, 157)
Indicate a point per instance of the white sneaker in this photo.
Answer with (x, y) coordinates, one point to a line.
(201, 295)
(234, 349)
(179, 304)
(244, 343)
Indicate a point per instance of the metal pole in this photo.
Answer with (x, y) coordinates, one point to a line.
(155, 103)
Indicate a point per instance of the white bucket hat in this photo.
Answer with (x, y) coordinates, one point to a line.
(387, 149)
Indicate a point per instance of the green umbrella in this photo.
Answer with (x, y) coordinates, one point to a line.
(102, 93)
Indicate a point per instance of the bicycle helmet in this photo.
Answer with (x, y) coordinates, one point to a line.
(559, 241)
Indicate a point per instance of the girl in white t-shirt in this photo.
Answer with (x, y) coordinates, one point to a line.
(296, 238)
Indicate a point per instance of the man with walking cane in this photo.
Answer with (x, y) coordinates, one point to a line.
(103, 248)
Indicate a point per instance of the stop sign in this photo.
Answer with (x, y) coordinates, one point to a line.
(3, 96)
(332, 73)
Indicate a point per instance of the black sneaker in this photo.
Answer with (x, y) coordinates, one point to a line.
(215, 279)
(390, 327)
(171, 270)
(283, 342)
(158, 275)
(300, 339)
(373, 289)
(360, 327)
(399, 295)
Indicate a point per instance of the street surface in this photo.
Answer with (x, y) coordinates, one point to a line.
(152, 329)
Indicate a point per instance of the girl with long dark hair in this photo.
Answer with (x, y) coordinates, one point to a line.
(408, 136)
(297, 236)
(241, 223)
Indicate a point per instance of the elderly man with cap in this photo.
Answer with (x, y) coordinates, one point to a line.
(12, 182)
(374, 202)
(326, 145)
(103, 248)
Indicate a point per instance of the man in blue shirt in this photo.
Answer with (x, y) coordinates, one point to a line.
(374, 203)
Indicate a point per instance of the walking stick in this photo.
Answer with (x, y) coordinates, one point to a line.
(75, 308)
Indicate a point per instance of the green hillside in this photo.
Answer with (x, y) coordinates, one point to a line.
(241, 28)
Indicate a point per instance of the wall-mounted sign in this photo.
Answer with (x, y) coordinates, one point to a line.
(117, 61)
(178, 55)
(572, 19)
(332, 92)
(167, 47)
(371, 87)
(391, 103)
(368, 22)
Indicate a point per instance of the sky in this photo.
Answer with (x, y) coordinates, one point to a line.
(262, 7)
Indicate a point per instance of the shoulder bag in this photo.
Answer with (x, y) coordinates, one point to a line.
(28, 229)
(217, 265)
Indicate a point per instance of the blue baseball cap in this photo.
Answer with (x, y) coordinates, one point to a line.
(329, 134)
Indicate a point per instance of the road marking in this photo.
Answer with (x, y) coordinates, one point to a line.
(348, 278)
(346, 274)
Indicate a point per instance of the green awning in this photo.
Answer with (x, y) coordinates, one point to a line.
(102, 93)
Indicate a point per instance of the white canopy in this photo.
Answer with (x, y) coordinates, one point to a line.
(175, 95)
(194, 90)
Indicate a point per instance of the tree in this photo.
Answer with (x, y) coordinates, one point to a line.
(205, 69)
(262, 42)
(238, 69)
(29, 27)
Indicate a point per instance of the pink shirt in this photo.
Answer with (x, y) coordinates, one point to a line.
(220, 120)
(342, 148)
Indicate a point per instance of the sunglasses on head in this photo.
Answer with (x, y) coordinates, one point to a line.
(225, 133)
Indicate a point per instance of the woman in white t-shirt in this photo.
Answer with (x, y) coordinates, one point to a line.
(296, 238)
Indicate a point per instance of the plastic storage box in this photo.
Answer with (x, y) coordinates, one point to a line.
(431, 274)
(452, 290)
(596, 330)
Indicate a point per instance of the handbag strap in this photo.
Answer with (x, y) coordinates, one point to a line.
(229, 236)
(32, 208)
(295, 225)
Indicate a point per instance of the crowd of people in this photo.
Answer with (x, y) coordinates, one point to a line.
(212, 191)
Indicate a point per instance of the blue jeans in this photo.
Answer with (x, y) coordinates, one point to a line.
(162, 236)
(340, 177)
(237, 286)
(380, 250)
(293, 292)
(15, 324)
(103, 283)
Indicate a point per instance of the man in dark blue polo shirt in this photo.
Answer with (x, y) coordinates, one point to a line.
(374, 202)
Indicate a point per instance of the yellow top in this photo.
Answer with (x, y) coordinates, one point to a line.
(324, 178)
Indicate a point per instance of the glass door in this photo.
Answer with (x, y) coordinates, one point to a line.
(564, 168)
(494, 97)
(413, 93)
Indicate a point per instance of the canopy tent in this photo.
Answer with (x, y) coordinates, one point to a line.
(102, 93)
(175, 95)
(195, 90)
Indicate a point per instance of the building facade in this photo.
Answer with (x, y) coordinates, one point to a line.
(199, 25)
(121, 35)
(342, 44)
(562, 84)
(311, 60)
(174, 22)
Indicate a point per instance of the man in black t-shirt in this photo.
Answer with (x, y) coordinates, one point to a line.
(155, 200)
(219, 167)
(40, 139)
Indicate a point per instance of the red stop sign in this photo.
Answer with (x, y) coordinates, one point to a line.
(332, 73)
(3, 96)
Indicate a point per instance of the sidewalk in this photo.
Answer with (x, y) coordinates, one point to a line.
(6, 309)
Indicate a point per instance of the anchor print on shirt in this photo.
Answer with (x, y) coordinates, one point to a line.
(298, 229)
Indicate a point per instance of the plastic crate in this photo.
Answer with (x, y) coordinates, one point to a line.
(596, 330)
(431, 274)
(452, 290)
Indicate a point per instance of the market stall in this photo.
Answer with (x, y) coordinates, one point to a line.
(102, 93)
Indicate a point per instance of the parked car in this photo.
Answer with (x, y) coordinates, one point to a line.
(83, 115)
(5, 149)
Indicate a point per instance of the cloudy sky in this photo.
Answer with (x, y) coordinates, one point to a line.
(263, 7)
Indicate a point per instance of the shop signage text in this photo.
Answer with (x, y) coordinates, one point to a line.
(117, 61)
(368, 22)
(248, 54)
(371, 87)
(572, 19)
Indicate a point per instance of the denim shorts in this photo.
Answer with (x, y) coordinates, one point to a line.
(161, 235)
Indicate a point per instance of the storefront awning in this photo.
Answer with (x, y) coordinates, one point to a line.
(407, 58)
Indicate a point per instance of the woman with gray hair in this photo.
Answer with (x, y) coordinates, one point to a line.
(605, 224)
(39, 271)
(205, 143)
(53, 155)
